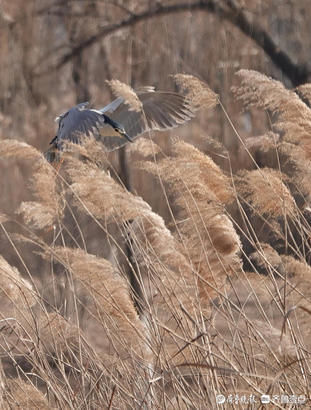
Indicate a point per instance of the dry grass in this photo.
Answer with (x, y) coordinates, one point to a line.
(171, 317)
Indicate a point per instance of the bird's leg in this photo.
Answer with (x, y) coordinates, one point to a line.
(53, 140)
(58, 165)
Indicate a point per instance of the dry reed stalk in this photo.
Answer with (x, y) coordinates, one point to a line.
(124, 91)
(18, 299)
(17, 149)
(155, 251)
(276, 344)
(266, 192)
(169, 288)
(2, 387)
(298, 275)
(287, 290)
(250, 334)
(107, 200)
(47, 209)
(56, 334)
(198, 92)
(37, 215)
(263, 338)
(64, 356)
(88, 151)
(214, 251)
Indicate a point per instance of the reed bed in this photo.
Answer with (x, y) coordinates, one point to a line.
(212, 306)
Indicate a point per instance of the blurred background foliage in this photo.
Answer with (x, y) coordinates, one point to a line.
(55, 54)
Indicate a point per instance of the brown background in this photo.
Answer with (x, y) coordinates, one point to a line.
(46, 68)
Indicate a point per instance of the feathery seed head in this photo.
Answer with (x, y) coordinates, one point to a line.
(198, 92)
(127, 93)
(266, 192)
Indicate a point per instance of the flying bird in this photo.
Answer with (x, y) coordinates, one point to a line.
(119, 122)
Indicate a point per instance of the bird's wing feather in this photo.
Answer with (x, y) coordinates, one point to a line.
(79, 122)
(161, 110)
(112, 106)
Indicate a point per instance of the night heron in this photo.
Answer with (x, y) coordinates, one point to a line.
(117, 123)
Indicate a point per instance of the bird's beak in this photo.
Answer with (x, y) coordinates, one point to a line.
(127, 136)
(122, 132)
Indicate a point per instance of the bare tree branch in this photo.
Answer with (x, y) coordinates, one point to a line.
(296, 73)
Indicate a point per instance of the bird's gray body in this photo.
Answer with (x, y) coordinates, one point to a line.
(78, 121)
(117, 122)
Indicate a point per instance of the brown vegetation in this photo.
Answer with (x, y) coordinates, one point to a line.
(178, 268)
(154, 325)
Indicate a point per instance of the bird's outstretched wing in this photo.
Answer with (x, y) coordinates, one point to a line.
(78, 122)
(161, 110)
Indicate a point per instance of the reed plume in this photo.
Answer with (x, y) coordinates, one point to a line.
(164, 274)
(293, 115)
(17, 294)
(48, 207)
(198, 92)
(97, 193)
(89, 151)
(196, 324)
(124, 91)
(144, 147)
(264, 143)
(267, 257)
(109, 301)
(199, 190)
(266, 192)
(304, 91)
(22, 394)
(162, 269)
